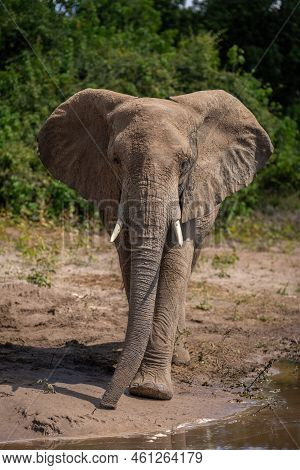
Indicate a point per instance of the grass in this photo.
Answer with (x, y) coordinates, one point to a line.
(261, 231)
(46, 387)
(224, 260)
(31, 246)
(44, 245)
(251, 390)
(223, 274)
(39, 278)
(205, 306)
(283, 290)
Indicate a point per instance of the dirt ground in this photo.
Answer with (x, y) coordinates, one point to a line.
(242, 311)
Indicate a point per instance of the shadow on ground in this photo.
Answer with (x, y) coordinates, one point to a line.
(27, 366)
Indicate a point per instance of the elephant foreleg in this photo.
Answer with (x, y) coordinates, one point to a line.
(154, 376)
(181, 355)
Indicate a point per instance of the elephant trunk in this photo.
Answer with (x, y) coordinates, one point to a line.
(147, 243)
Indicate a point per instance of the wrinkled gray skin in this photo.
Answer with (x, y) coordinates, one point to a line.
(151, 162)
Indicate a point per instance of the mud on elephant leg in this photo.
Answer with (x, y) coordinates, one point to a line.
(181, 355)
(153, 379)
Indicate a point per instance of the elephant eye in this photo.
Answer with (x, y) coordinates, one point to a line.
(116, 160)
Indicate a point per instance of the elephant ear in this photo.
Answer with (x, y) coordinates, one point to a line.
(73, 143)
(228, 145)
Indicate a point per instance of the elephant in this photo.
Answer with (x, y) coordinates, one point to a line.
(159, 170)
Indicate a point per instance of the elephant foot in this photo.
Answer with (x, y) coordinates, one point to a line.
(181, 356)
(146, 385)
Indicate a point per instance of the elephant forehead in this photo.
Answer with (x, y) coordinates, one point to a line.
(150, 113)
(152, 138)
(146, 126)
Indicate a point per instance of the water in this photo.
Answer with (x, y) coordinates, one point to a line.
(261, 427)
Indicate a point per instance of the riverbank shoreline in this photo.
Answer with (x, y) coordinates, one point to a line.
(242, 311)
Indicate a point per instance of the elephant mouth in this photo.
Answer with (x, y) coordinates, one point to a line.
(175, 225)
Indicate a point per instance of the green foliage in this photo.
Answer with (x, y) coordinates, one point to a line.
(39, 278)
(259, 232)
(196, 63)
(224, 260)
(205, 306)
(52, 49)
(235, 57)
(268, 31)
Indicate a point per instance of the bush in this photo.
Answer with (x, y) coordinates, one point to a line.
(122, 47)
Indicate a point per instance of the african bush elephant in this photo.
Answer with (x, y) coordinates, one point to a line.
(159, 170)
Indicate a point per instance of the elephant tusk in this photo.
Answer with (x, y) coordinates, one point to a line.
(116, 231)
(178, 232)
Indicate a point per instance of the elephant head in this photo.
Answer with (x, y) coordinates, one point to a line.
(166, 162)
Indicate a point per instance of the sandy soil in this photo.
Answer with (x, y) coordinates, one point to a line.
(239, 316)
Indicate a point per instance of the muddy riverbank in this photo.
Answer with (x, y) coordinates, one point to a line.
(242, 311)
